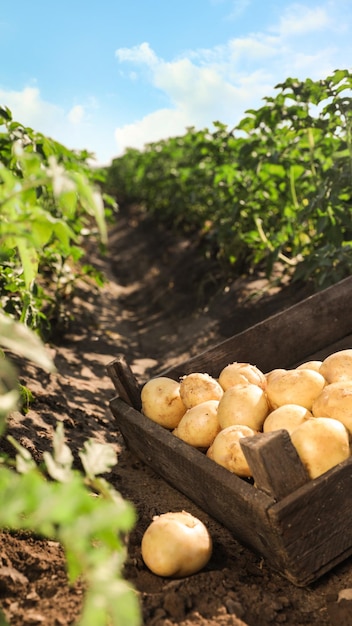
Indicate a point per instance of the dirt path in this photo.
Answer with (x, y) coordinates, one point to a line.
(158, 307)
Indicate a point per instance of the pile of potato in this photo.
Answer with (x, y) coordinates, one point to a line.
(313, 402)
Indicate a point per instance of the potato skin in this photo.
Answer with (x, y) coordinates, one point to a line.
(310, 365)
(199, 387)
(238, 373)
(296, 386)
(321, 443)
(226, 449)
(244, 404)
(176, 544)
(161, 401)
(199, 425)
(335, 401)
(337, 367)
(286, 416)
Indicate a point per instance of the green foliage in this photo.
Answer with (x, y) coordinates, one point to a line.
(85, 514)
(50, 202)
(277, 187)
(81, 510)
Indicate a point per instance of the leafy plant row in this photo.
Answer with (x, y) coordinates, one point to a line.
(50, 202)
(276, 188)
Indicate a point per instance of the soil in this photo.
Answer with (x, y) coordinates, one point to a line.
(161, 304)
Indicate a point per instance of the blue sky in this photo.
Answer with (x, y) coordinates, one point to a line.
(116, 73)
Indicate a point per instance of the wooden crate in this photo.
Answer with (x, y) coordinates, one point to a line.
(302, 527)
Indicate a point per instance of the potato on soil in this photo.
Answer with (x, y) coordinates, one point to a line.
(226, 449)
(161, 401)
(199, 387)
(337, 367)
(287, 417)
(295, 386)
(335, 401)
(321, 443)
(176, 544)
(239, 373)
(244, 404)
(199, 425)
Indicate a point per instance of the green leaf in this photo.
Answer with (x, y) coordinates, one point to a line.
(59, 464)
(24, 460)
(64, 234)
(92, 201)
(97, 458)
(5, 113)
(29, 259)
(58, 471)
(3, 621)
(21, 340)
(8, 403)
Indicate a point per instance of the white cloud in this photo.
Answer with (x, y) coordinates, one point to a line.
(29, 109)
(238, 8)
(153, 127)
(299, 19)
(74, 128)
(194, 89)
(137, 54)
(255, 47)
(221, 82)
(76, 114)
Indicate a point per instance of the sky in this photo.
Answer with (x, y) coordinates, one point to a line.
(108, 75)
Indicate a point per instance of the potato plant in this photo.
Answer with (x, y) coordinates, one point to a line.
(274, 189)
(80, 510)
(50, 203)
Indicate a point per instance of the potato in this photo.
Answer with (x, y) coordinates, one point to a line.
(244, 404)
(235, 373)
(321, 443)
(161, 401)
(274, 372)
(311, 365)
(176, 544)
(199, 425)
(226, 449)
(337, 366)
(198, 387)
(287, 416)
(296, 386)
(335, 401)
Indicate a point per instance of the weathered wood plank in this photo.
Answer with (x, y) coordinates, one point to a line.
(276, 467)
(315, 523)
(125, 382)
(320, 355)
(283, 339)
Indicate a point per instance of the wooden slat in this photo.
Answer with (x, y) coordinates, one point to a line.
(275, 465)
(315, 523)
(125, 382)
(282, 339)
